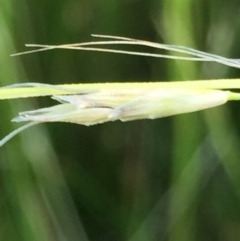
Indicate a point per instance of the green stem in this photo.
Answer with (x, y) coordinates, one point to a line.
(233, 96)
(37, 89)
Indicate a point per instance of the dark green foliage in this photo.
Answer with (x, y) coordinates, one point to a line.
(174, 179)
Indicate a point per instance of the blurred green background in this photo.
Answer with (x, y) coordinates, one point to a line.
(176, 178)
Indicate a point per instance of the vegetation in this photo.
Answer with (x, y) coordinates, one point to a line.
(175, 178)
